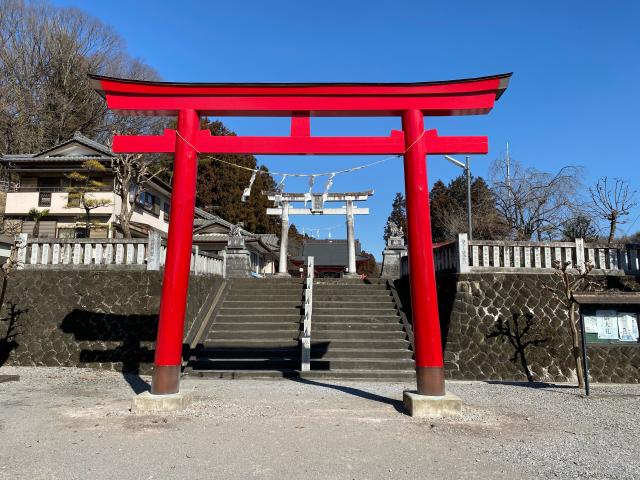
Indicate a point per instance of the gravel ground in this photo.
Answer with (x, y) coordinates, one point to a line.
(74, 423)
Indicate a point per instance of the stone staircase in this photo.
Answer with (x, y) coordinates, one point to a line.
(356, 332)
(255, 332)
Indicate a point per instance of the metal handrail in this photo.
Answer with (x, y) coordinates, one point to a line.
(308, 310)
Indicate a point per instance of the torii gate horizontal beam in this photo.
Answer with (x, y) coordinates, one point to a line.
(303, 145)
(331, 197)
(324, 211)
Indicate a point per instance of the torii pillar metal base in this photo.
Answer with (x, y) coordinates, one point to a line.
(175, 282)
(424, 299)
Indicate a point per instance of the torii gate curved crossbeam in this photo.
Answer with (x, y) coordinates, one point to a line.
(410, 101)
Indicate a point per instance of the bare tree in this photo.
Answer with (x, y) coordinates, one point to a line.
(563, 292)
(12, 263)
(536, 204)
(613, 202)
(132, 173)
(46, 53)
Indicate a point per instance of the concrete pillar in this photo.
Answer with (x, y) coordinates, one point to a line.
(284, 239)
(351, 238)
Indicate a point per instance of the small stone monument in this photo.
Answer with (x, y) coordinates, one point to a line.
(238, 258)
(393, 253)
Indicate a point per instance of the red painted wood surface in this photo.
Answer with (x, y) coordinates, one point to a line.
(424, 297)
(301, 144)
(175, 282)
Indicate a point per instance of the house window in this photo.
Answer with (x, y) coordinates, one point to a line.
(149, 202)
(166, 210)
(44, 199)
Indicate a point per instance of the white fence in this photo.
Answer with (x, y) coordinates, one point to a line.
(464, 255)
(117, 253)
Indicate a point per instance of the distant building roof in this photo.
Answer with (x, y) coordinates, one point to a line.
(328, 253)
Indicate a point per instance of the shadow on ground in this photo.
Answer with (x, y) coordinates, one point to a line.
(356, 392)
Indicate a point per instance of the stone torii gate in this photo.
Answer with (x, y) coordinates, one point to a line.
(300, 101)
(317, 208)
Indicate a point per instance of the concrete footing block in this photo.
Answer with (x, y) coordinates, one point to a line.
(148, 403)
(424, 406)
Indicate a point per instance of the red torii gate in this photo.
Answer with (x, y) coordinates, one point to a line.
(300, 101)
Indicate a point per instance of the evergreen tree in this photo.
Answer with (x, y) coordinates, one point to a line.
(449, 210)
(580, 226)
(220, 186)
(370, 268)
(398, 215)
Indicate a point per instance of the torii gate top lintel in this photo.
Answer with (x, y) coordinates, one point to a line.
(301, 101)
(140, 97)
(330, 197)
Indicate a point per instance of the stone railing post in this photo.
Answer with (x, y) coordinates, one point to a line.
(21, 245)
(154, 245)
(462, 252)
(579, 253)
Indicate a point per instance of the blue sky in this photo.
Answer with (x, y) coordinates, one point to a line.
(573, 98)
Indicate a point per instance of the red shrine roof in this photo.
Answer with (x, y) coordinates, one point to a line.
(466, 96)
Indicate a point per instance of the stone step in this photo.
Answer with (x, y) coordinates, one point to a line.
(257, 310)
(292, 352)
(349, 281)
(243, 374)
(362, 364)
(358, 343)
(346, 297)
(252, 344)
(341, 353)
(244, 364)
(228, 318)
(273, 297)
(262, 319)
(359, 334)
(366, 306)
(318, 375)
(376, 287)
(288, 334)
(371, 294)
(368, 375)
(356, 312)
(391, 317)
(250, 326)
(337, 327)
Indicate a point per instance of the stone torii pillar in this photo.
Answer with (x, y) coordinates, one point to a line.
(284, 239)
(351, 239)
(317, 208)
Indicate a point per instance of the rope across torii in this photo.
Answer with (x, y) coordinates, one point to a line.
(317, 208)
(301, 101)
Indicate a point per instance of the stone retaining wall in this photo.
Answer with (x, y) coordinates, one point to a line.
(103, 319)
(496, 326)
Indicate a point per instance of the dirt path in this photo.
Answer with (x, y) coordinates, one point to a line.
(74, 423)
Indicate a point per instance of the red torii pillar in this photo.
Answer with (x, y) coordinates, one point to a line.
(410, 101)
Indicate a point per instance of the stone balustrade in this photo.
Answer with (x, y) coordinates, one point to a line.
(464, 255)
(107, 253)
